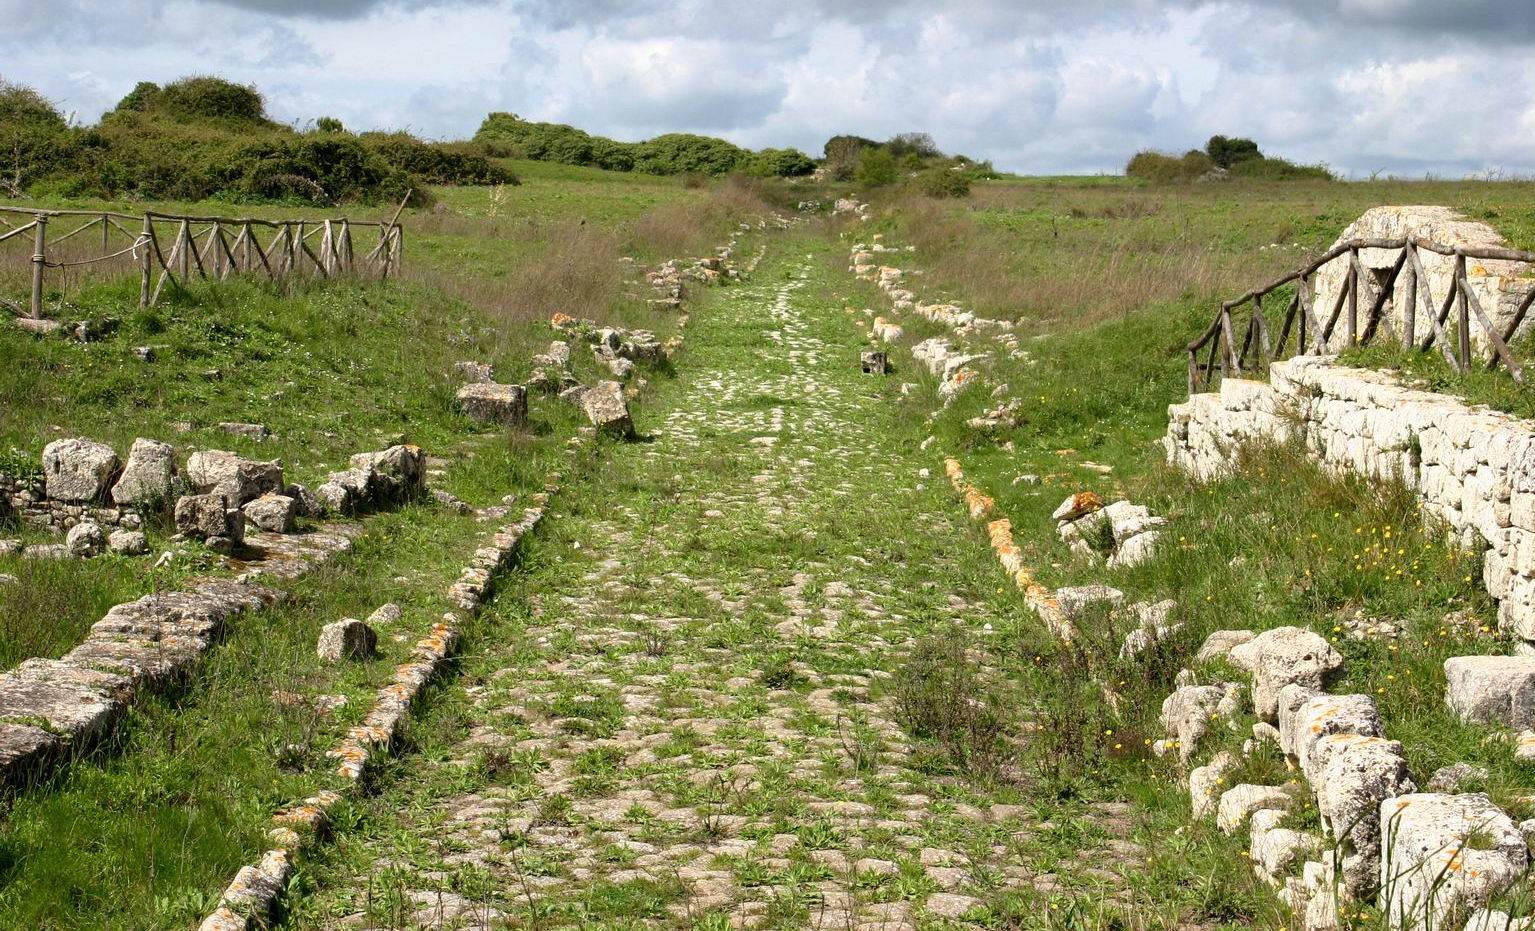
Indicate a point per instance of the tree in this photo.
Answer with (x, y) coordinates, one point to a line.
(919, 144)
(1226, 152)
(876, 168)
(328, 124)
(842, 154)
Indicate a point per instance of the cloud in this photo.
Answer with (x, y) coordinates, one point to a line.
(1042, 85)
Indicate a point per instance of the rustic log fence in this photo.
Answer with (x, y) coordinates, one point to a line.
(169, 249)
(1458, 307)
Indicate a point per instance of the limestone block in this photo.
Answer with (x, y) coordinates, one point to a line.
(1285, 656)
(149, 476)
(1491, 689)
(1359, 773)
(473, 372)
(1220, 643)
(489, 402)
(607, 409)
(1188, 712)
(128, 542)
(1445, 856)
(1238, 803)
(348, 638)
(272, 513)
(1076, 601)
(1320, 716)
(1205, 782)
(1136, 550)
(85, 540)
(1275, 849)
(78, 470)
(399, 473)
(207, 517)
(217, 471)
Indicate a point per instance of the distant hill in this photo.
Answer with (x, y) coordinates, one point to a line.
(202, 137)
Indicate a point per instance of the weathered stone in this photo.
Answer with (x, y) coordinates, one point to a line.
(1487, 919)
(473, 372)
(217, 471)
(305, 502)
(1136, 550)
(1205, 782)
(400, 472)
(1220, 643)
(39, 327)
(1238, 803)
(489, 402)
(208, 517)
(149, 476)
(607, 409)
(1457, 777)
(47, 551)
(1359, 773)
(128, 542)
(346, 639)
(874, 362)
(78, 470)
(272, 513)
(573, 395)
(1491, 689)
(1445, 856)
(1076, 601)
(85, 540)
(335, 498)
(10, 547)
(1285, 656)
(1077, 506)
(387, 613)
(1305, 719)
(1188, 712)
(251, 431)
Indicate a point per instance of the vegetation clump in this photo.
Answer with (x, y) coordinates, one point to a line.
(670, 154)
(204, 137)
(1221, 157)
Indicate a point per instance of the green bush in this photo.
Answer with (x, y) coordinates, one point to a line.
(449, 163)
(779, 163)
(675, 153)
(1162, 168)
(33, 136)
(1226, 151)
(1279, 169)
(944, 182)
(876, 168)
(198, 97)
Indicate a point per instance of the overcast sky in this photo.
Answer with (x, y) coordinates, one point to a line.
(1045, 86)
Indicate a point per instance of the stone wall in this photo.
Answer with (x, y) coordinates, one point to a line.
(1498, 285)
(27, 500)
(1473, 468)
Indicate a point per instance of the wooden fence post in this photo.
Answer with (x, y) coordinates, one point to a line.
(144, 266)
(39, 259)
(1352, 323)
(1410, 316)
(1464, 324)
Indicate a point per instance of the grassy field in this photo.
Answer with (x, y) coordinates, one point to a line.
(144, 833)
(1107, 282)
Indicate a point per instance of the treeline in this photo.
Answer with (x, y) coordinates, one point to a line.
(205, 137)
(1222, 157)
(910, 157)
(671, 154)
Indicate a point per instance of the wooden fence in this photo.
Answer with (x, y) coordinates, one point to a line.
(170, 248)
(1459, 307)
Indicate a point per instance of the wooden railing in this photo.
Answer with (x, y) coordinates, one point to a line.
(1257, 349)
(171, 248)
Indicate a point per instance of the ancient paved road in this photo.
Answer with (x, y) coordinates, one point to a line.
(691, 725)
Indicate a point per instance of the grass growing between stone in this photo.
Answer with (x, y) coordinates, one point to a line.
(1277, 543)
(145, 832)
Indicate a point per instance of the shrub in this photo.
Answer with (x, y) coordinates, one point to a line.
(944, 182)
(674, 153)
(328, 124)
(33, 136)
(920, 145)
(779, 163)
(443, 163)
(1162, 168)
(202, 97)
(940, 697)
(842, 154)
(876, 168)
(1226, 152)
(1279, 169)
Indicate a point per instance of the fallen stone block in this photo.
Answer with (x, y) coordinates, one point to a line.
(149, 476)
(209, 518)
(1220, 643)
(272, 513)
(251, 431)
(399, 473)
(1286, 656)
(874, 362)
(217, 471)
(85, 540)
(1188, 712)
(607, 409)
(1491, 689)
(1238, 803)
(346, 639)
(1077, 506)
(78, 470)
(128, 542)
(473, 372)
(1444, 856)
(1313, 717)
(489, 402)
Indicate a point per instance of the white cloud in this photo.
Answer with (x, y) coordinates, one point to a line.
(1045, 85)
